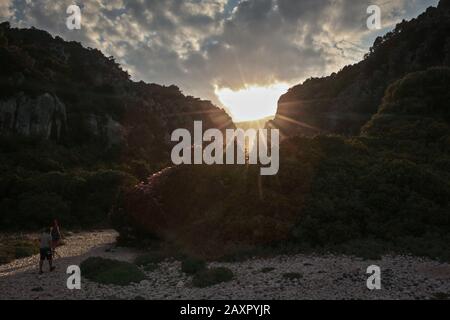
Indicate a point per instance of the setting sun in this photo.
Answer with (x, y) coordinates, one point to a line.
(252, 103)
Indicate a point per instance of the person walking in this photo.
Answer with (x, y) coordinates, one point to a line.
(45, 250)
(56, 235)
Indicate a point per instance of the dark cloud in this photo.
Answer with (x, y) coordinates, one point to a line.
(227, 43)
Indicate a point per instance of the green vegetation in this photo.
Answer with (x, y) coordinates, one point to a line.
(31, 199)
(292, 276)
(106, 271)
(267, 270)
(151, 267)
(107, 134)
(367, 195)
(441, 296)
(383, 187)
(211, 277)
(343, 102)
(193, 265)
(149, 259)
(11, 249)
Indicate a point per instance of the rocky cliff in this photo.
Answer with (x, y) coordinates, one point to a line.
(43, 116)
(59, 90)
(75, 130)
(343, 102)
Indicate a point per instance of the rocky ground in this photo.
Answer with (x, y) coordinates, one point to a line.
(322, 277)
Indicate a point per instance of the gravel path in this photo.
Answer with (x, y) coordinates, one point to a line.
(323, 277)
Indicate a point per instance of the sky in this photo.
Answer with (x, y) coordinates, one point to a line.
(221, 50)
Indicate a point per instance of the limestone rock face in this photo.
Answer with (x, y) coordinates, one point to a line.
(104, 107)
(107, 128)
(44, 116)
(114, 132)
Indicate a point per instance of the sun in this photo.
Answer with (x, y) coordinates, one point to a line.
(253, 102)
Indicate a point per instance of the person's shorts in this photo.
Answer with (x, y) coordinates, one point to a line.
(46, 253)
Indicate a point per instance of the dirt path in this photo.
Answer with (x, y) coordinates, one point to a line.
(20, 279)
(322, 277)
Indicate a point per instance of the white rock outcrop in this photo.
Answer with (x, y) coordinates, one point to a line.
(43, 116)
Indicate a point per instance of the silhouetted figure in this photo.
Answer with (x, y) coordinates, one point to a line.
(56, 235)
(45, 250)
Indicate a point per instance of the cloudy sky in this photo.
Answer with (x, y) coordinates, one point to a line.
(213, 46)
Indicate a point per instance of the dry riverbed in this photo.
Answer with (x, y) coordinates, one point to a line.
(319, 277)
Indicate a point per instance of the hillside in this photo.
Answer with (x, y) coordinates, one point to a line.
(386, 189)
(344, 101)
(73, 127)
(78, 135)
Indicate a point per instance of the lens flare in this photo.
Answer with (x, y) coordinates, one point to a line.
(252, 103)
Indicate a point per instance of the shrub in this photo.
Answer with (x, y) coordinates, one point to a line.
(6, 254)
(267, 270)
(151, 267)
(104, 187)
(441, 296)
(39, 208)
(193, 265)
(292, 276)
(106, 271)
(367, 249)
(149, 259)
(211, 277)
(17, 249)
(25, 249)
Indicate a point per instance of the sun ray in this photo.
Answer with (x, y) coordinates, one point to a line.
(271, 126)
(299, 123)
(253, 102)
(177, 114)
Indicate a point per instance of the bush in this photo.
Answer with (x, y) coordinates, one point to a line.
(292, 276)
(441, 296)
(414, 108)
(367, 249)
(151, 267)
(5, 255)
(39, 209)
(193, 265)
(267, 270)
(25, 249)
(149, 259)
(211, 277)
(17, 249)
(106, 271)
(30, 200)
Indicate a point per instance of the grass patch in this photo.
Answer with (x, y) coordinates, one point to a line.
(151, 267)
(106, 271)
(264, 251)
(292, 276)
(441, 296)
(367, 249)
(25, 249)
(17, 249)
(211, 277)
(193, 265)
(267, 270)
(149, 259)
